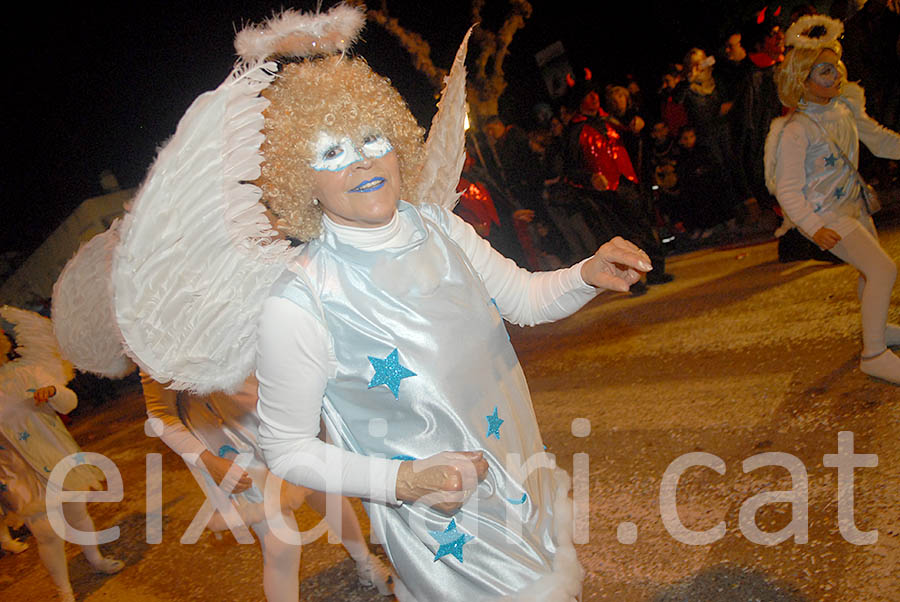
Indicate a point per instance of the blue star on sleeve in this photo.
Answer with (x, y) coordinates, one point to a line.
(389, 372)
(451, 541)
(24, 435)
(838, 192)
(830, 160)
(494, 422)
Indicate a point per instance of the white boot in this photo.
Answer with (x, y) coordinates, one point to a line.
(373, 573)
(885, 366)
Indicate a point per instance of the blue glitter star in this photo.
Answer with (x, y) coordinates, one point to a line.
(494, 423)
(24, 435)
(451, 540)
(838, 192)
(830, 160)
(225, 449)
(389, 372)
(79, 458)
(47, 470)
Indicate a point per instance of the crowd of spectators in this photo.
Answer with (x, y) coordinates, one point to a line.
(674, 170)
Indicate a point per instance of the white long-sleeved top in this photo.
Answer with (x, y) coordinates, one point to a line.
(17, 386)
(814, 185)
(296, 358)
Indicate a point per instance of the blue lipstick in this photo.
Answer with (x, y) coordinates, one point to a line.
(369, 185)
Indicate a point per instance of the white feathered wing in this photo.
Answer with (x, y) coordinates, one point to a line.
(36, 344)
(198, 255)
(445, 149)
(83, 317)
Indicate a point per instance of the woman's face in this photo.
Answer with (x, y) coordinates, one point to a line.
(356, 183)
(619, 102)
(825, 79)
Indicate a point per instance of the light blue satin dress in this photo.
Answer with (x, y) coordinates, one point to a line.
(425, 365)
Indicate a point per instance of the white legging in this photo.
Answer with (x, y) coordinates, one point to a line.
(51, 547)
(281, 559)
(878, 272)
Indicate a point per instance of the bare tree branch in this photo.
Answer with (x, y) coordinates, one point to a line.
(487, 80)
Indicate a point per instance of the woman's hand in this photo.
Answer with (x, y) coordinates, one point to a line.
(616, 265)
(444, 481)
(232, 481)
(826, 238)
(43, 394)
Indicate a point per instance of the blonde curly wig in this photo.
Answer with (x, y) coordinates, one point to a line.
(793, 72)
(343, 97)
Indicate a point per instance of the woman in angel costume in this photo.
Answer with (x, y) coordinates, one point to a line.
(387, 323)
(811, 158)
(33, 440)
(215, 434)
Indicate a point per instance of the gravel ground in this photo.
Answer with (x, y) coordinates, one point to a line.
(740, 355)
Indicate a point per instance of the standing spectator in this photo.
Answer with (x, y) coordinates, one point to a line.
(872, 55)
(706, 109)
(698, 186)
(732, 69)
(670, 111)
(662, 174)
(599, 171)
(516, 167)
(623, 116)
(755, 106)
(501, 235)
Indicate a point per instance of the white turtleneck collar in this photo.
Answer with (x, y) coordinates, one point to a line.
(396, 233)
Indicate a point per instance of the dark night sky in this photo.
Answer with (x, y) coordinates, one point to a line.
(102, 86)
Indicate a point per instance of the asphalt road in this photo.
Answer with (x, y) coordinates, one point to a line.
(739, 356)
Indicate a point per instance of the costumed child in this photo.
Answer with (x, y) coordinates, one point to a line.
(215, 434)
(811, 159)
(386, 323)
(33, 440)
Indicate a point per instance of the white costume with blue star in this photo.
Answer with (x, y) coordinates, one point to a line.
(406, 344)
(813, 184)
(33, 439)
